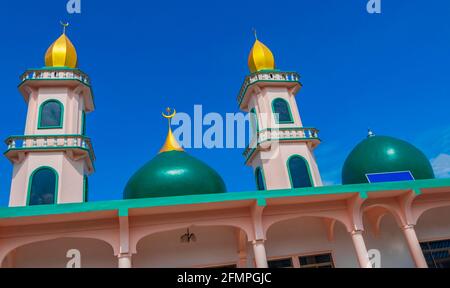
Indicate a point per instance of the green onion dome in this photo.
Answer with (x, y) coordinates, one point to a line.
(382, 154)
(173, 172)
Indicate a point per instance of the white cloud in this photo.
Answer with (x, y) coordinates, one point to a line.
(441, 165)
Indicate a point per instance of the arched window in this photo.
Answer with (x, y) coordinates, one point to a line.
(282, 111)
(51, 115)
(260, 183)
(299, 172)
(253, 122)
(43, 187)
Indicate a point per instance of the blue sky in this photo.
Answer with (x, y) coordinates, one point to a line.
(389, 72)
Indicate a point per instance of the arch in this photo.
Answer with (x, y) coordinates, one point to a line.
(379, 211)
(9, 246)
(282, 111)
(299, 172)
(329, 223)
(423, 203)
(209, 245)
(43, 187)
(260, 179)
(146, 231)
(51, 115)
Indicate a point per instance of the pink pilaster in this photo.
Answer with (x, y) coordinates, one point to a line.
(414, 246)
(360, 248)
(260, 254)
(125, 261)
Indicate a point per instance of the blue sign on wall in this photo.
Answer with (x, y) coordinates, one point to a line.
(390, 177)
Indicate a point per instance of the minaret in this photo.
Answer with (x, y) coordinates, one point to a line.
(281, 149)
(53, 158)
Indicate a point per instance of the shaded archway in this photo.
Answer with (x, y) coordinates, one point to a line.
(54, 253)
(305, 237)
(211, 246)
(383, 233)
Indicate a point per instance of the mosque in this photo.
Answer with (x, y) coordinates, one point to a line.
(176, 211)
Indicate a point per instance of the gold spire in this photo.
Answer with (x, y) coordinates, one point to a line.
(171, 143)
(260, 58)
(62, 53)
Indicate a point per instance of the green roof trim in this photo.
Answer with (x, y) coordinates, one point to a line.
(122, 206)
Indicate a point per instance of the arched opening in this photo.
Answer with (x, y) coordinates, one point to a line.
(43, 187)
(260, 182)
(309, 242)
(433, 233)
(282, 111)
(62, 253)
(299, 172)
(201, 246)
(383, 233)
(51, 115)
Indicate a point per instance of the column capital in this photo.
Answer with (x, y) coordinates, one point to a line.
(258, 241)
(408, 226)
(357, 232)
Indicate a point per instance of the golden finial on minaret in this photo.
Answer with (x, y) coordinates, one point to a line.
(65, 25)
(171, 143)
(255, 33)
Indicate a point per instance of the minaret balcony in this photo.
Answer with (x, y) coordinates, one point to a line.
(56, 74)
(58, 77)
(285, 135)
(272, 78)
(77, 147)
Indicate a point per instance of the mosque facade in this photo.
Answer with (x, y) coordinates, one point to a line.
(390, 210)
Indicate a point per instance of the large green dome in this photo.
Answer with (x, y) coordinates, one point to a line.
(174, 173)
(381, 154)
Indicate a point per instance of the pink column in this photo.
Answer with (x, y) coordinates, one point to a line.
(361, 250)
(414, 246)
(260, 254)
(125, 261)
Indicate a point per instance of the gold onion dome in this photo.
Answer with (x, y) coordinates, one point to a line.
(62, 52)
(260, 58)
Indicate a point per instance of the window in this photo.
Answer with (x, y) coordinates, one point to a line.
(254, 122)
(282, 112)
(83, 123)
(437, 253)
(43, 187)
(311, 261)
(232, 266)
(316, 261)
(260, 183)
(51, 115)
(281, 263)
(299, 172)
(86, 189)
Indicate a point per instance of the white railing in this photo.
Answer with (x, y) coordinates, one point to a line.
(49, 74)
(267, 76)
(281, 134)
(49, 142)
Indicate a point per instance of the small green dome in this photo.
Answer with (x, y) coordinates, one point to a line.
(174, 173)
(380, 154)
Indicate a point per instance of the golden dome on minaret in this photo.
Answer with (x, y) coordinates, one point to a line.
(62, 53)
(260, 58)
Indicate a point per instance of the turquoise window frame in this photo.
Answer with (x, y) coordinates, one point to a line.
(277, 118)
(61, 120)
(308, 168)
(30, 182)
(85, 189)
(83, 123)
